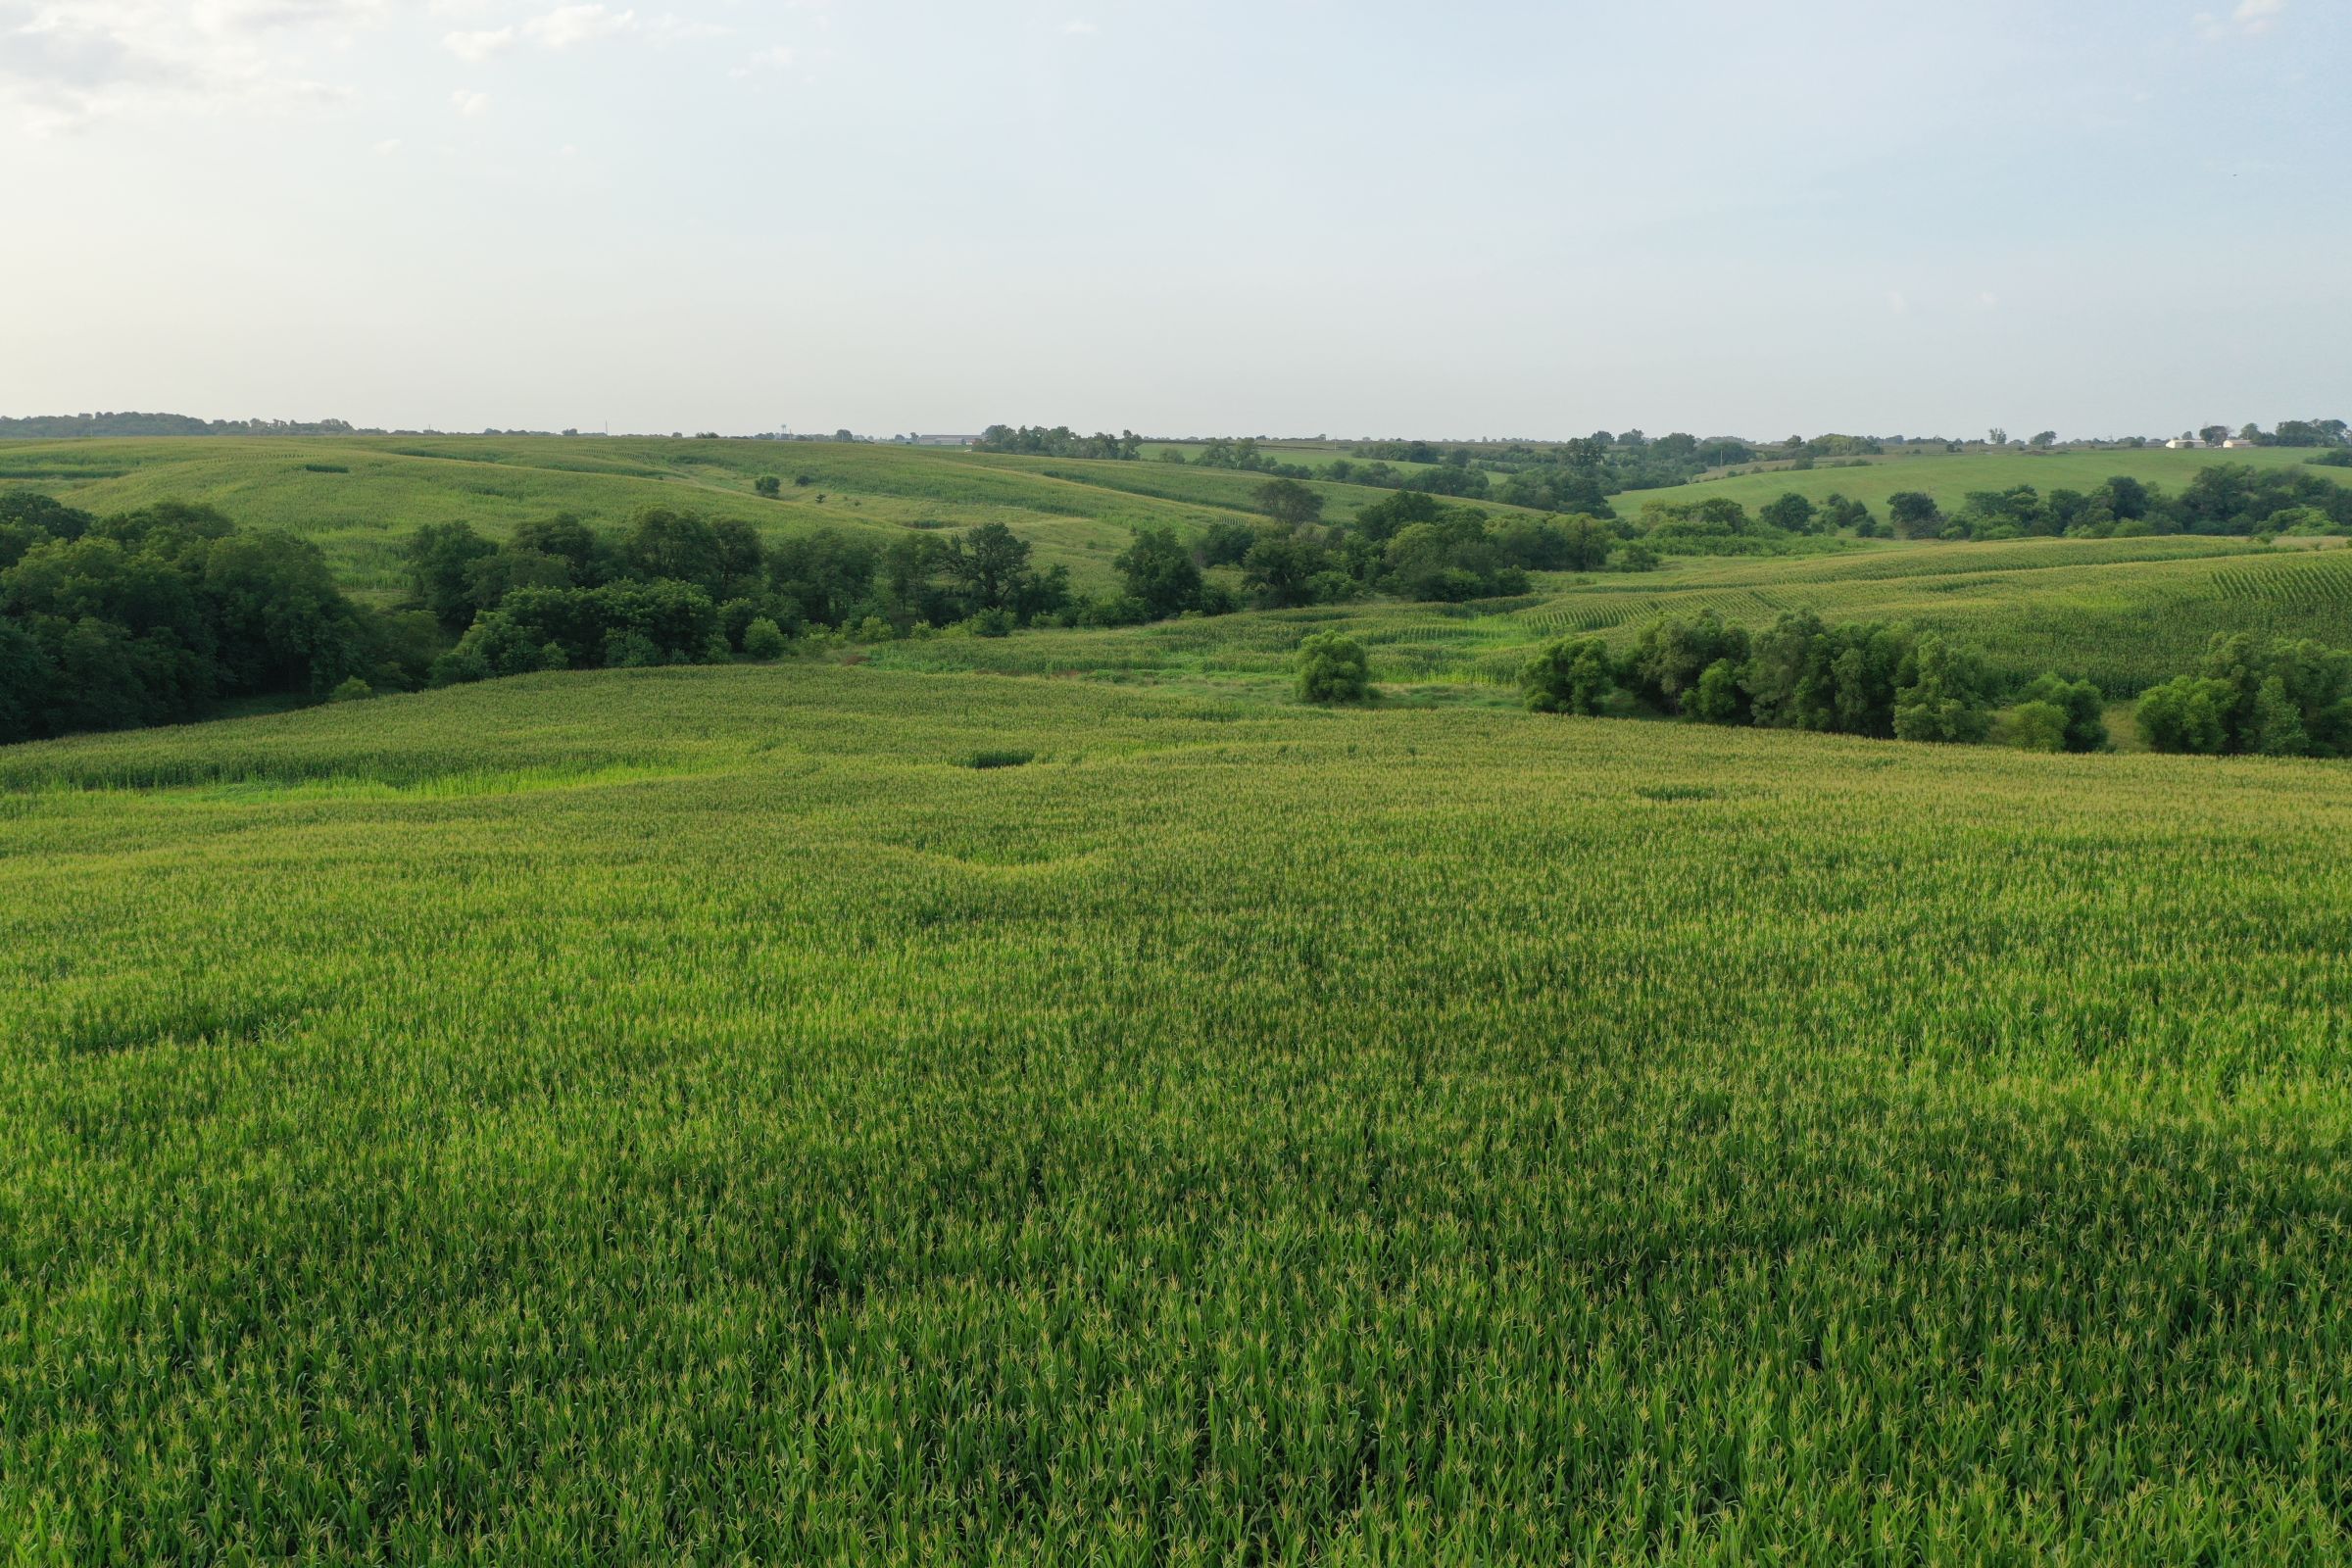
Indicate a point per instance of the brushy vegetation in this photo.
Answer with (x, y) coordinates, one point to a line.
(691, 1115)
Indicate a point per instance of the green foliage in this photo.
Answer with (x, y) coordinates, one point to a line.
(2082, 708)
(354, 690)
(1944, 693)
(2187, 714)
(1281, 569)
(1333, 668)
(769, 485)
(2037, 726)
(1060, 441)
(1914, 514)
(1671, 657)
(1160, 573)
(1790, 512)
(1574, 676)
(156, 616)
(1717, 698)
(1288, 502)
(764, 640)
(2281, 698)
(1845, 679)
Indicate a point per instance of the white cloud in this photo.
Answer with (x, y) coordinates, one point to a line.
(671, 27)
(387, 147)
(470, 104)
(566, 26)
(1080, 28)
(476, 47)
(2251, 16)
(777, 59)
(1896, 303)
(63, 63)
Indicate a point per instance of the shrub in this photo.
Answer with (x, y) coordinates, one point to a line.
(2037, 726)
(630, 649)
(1942, 693)
(2186, 713)
(1717, 698)
(353, 690)
(2086, 711)
(1574, 676)
(1333, 668)
(763, 640)
(769, 485)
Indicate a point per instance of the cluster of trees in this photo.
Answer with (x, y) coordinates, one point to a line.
(1718, 525)
(678, 588)
(155, 617)
(2224, 498)
(1410, 545)
(2282, 698)
(1857, 678)
(2290, 433)
(1037, 441)
(1576, 475)
(1452, 476)
(60, 426)
(1239, 457)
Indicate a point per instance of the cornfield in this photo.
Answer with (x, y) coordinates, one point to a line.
(699, 1116)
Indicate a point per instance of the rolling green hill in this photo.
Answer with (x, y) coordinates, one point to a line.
(695, 1115)
(358, 498)
(1950, 477)
(2124, 613)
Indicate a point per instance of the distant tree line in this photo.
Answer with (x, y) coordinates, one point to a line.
(158, 616)
(2290, 433)
(67, 426)
(2225, 499)
(1060, 441)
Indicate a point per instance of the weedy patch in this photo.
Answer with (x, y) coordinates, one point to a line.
(1676, 792)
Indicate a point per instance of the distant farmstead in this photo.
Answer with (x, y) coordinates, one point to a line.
(947, 440)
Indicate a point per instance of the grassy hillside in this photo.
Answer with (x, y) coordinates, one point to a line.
(1950, 477)
(694, 1116)
(358, 498)
(2124, 613)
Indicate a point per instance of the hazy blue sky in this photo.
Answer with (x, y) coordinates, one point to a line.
(1282, 215)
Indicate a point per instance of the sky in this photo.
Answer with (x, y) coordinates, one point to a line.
(1493, 217)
